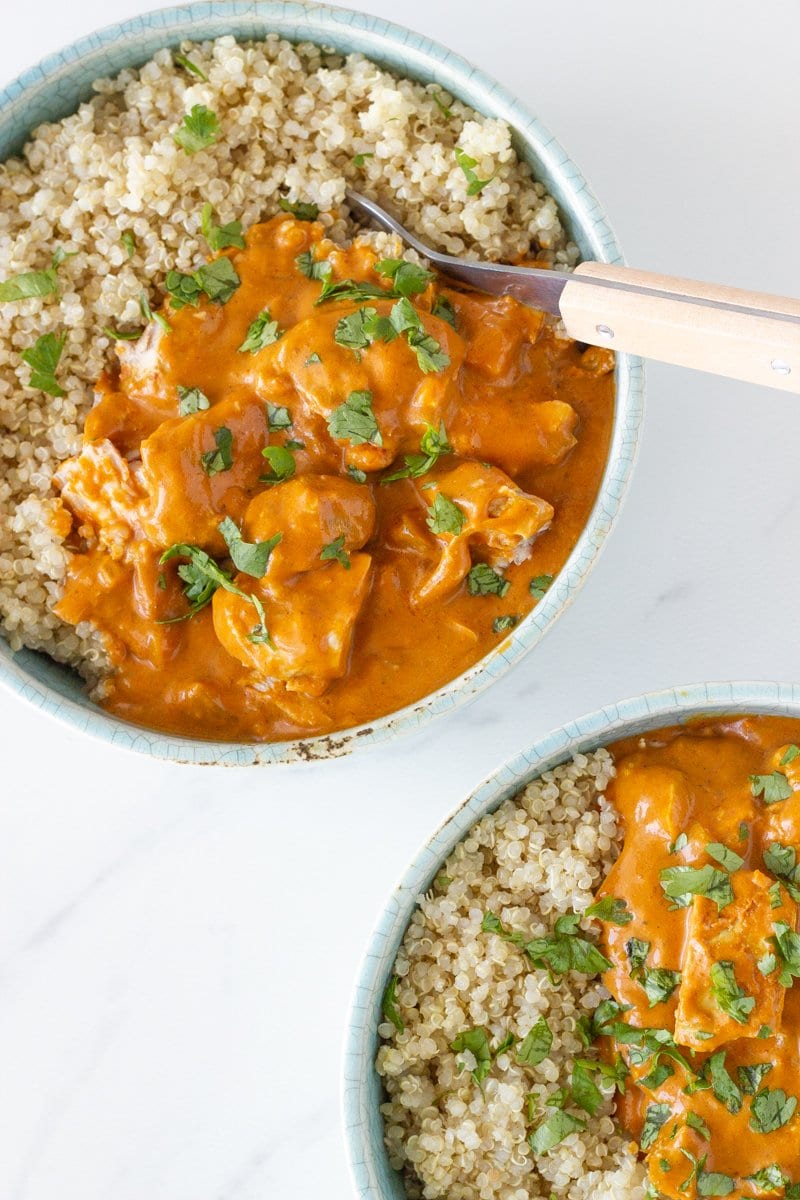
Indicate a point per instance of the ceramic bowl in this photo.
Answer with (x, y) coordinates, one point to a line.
(374, 1179)
(54, 89)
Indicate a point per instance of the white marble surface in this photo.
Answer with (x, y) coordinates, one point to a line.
(177, 945)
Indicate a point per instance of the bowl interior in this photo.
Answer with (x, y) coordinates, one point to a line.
(362, 1088)
(61, 82)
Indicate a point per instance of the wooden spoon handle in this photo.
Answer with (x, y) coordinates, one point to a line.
(739, 334)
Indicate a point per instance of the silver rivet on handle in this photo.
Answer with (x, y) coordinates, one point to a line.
(604, 331)
(780, 367)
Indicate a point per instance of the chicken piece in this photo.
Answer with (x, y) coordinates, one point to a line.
(403, 399)
(185, 499)
(494, 329)
(100, 488)
(513, 427)
(311, 603)
(500, 524)
(738, 937)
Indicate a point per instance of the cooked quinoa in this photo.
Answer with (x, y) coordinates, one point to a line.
(292, 120)
(541, 854)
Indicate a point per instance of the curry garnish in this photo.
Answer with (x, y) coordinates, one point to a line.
(433, 445)
(682, 883)
(539, 585)
(262, 332)
(191, 400)
(732, 999)
(311, 267)
(354, 421)
(536, 1045)
(389, 1005)
(300, 209)
(43, 358)
(29, 284)
(201, 577)
(217, 280)
(335, 550)
(610, 909)
(408, 278)
(483, 580)
(221, 459)
(249, 557)
(190, 66)
(504, 623)
(198, 131)
(445, 516)
(149, 315)
(278, 418)
(220, 237)
(281, 462)
(771, 788)
(468, 165)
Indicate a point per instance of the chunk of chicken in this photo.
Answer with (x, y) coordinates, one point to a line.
(404, 400)
(311, 603)
(187, 500)
(738, 935)
(100, 488)
(500, 524)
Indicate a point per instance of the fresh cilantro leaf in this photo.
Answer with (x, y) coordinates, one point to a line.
(764, 1032)
(357, 475)
(483, 580)
(445, 516)
(443, 309)
(220, 237)
(122, 335)
(218, 279)
(536, 1045)
(772, 787)
(350, 289)
(722, 1085)
(355, 421)
(389, 1005)
(731, 998)
(191, 400)
(610, 909)
(299, 209)
(355, 330)
(771, 1109)
(149, 315)
(43, 358)
(637, 952)
(408, 279)
(278, 418)
(281, 462)
(436, 97)
(468, 165)
(503, 624)
(313, 268)
(199, 130)
(680, 841)
(655, 1117)
(657, 1074)
(263, 331)
(312, 358)
(713, 1183)
(585, 1092)
(538, 586)
(335, 550)
(555, 1127)
(698, 1125)
(787, 945)
(249, 557)
(128, 240)
(201, 577)
(476, 1041)
(768, 1179)
(752, 1076)
(190, 66)
(681, 883)
(360, 159)
(781, 860)
(433, 445)
(725, 857)
(789, 755)
(29, 284)
(659, 984)
(558, 952)
(221, 459)
(405, 319)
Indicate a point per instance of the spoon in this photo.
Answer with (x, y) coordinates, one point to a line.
(727, 331)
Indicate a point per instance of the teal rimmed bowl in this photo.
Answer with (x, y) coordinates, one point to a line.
(362, 1093)
(61, 82)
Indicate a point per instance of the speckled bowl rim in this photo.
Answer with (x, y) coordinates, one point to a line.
(49, 91)
(372, 1176)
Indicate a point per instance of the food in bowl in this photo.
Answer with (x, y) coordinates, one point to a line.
(596, 998)
(269, 477)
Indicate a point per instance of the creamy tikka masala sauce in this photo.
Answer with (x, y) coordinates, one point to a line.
(700, 914)
(320, 485)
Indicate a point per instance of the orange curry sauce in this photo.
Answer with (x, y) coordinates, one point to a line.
(719, 1105)
(366, 606)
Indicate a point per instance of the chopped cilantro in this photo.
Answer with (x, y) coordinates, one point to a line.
(443, 309)
(729, 859)
(360, 159)
(201, 577)
(771, 1109)
(585, 1092)
(772, 787)
(43, 358)
(731, 998)
(335, 550)
(637, 952)
(357, 475)
(483, 580)
(221, 459)
(300, 209)
(263, 331)
(191, 400)
(681, 883)
(555, 1127)
(278, 418)
(249, 557)
(408, 278)
(389, 1005)
(503, 624)
(538, 586)
(789, 755)
(536, 1045)
(188, 65)
(433, 445)
(751, 1076)
(610, 909)
(445, 516)
(149, 315)
(655, 1117)
(659, 984)
(199, 130)
(722, 1085)
(218, 280)
(281, 462)
(128, 240)
(311, 267)
(355, 421)
(446, 112)
(468, 165)
(220, 237)
(558, 952)
(29, 284)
